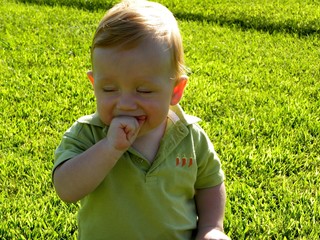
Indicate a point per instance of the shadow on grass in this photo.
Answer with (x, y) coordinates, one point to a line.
(88, 5)
(258, 23)
(244, 22)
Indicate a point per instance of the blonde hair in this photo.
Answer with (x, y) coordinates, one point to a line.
(130, 22)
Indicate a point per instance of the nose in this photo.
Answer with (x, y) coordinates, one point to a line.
(126, 102)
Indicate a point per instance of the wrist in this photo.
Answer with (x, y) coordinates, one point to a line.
(209, 233)
(110, 150)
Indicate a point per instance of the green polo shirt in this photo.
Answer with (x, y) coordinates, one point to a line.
(139, 200)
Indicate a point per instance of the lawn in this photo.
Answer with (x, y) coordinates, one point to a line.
(254, 82)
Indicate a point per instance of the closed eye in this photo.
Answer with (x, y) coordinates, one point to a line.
(109, 89)
(144, 91)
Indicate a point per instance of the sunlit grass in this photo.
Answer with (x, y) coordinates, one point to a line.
(254, 82)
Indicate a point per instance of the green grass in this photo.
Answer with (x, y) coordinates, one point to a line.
(254, 82)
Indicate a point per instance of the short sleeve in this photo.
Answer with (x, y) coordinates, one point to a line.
(210, 172)
(75, 140)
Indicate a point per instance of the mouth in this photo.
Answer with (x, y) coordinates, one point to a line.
(141, 119)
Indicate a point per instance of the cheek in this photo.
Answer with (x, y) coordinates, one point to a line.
(157, 112)
(104, 102)
(105, 110)
(154, 105)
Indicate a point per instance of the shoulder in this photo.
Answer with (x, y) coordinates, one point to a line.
(84, 132)
(92, 119)
(177, 115)
(189, 126)
(84, 124)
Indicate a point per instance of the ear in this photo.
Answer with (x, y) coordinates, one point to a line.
(90, 76)
(178, 90)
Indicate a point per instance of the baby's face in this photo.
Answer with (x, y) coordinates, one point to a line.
(136, 82)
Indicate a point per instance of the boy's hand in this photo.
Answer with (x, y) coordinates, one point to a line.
(122, 132)
(214, 234)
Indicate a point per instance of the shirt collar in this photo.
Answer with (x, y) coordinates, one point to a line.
(177, 114)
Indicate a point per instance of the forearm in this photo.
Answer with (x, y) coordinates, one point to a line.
(210, 206)
(80, 175)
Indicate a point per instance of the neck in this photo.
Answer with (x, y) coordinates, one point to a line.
(149, 143)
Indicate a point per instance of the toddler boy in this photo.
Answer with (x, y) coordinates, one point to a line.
(142, 168)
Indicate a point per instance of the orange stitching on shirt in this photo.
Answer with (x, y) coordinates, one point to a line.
(177, 161)
(184, 162)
